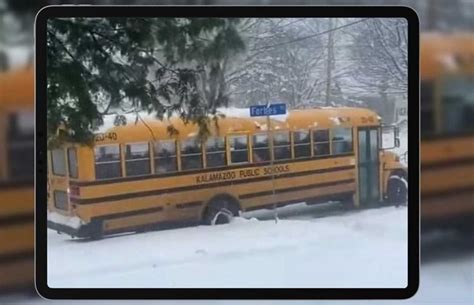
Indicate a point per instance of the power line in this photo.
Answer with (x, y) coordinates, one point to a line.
(310, 36)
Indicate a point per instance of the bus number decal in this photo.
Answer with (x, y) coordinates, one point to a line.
(106, 136)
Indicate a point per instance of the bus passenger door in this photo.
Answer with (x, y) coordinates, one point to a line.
(368, 164)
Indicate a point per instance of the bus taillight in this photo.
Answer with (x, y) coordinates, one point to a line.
(74, 191)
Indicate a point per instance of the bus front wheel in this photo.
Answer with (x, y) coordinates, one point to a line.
(397, 190)
(220, 211)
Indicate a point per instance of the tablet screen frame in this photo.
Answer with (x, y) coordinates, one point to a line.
(227, 11)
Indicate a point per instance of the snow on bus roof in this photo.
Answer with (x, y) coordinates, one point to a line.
(229, 112)
(130, 117)
(245, 113)
(301, 118)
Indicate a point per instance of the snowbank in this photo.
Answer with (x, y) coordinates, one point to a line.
(362, 249)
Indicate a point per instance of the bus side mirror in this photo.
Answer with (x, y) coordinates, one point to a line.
(390, 138)
(397, 136)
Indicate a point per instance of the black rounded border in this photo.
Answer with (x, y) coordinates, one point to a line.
(226, 11)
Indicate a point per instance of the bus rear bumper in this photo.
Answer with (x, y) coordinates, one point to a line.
(82, 231)
(70, 225)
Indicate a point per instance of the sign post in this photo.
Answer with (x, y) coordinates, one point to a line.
(269, 110)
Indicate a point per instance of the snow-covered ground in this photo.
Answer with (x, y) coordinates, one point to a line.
(447, 281)
(447, 277)
(359, 249)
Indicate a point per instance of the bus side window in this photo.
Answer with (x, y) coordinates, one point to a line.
(215, 152)
(302, 143)
(72, 162)
(58, 162)
(261, 151)
(60, 200)
(20, 145)
(238, 149)
(107, 161)
(457, 98)
(427, 108)
(191, 154)
(321, 142)
(137, 159)
(165, 156)
(281, 145)
(341, 140)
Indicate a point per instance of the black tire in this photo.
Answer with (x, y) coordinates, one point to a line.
(96, 230)
(465, 227)
(220, 211)
(347, 203)
(397, 191)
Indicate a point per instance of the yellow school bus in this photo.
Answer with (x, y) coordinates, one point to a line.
(16, 179)
(447, 129)
(140, 174)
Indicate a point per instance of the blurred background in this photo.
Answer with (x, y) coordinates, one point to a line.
(447, 147)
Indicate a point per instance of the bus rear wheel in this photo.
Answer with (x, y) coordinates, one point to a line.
(220, 211)
(96, 230)
(397, 190)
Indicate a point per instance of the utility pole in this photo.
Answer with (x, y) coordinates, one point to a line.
(330, 59)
